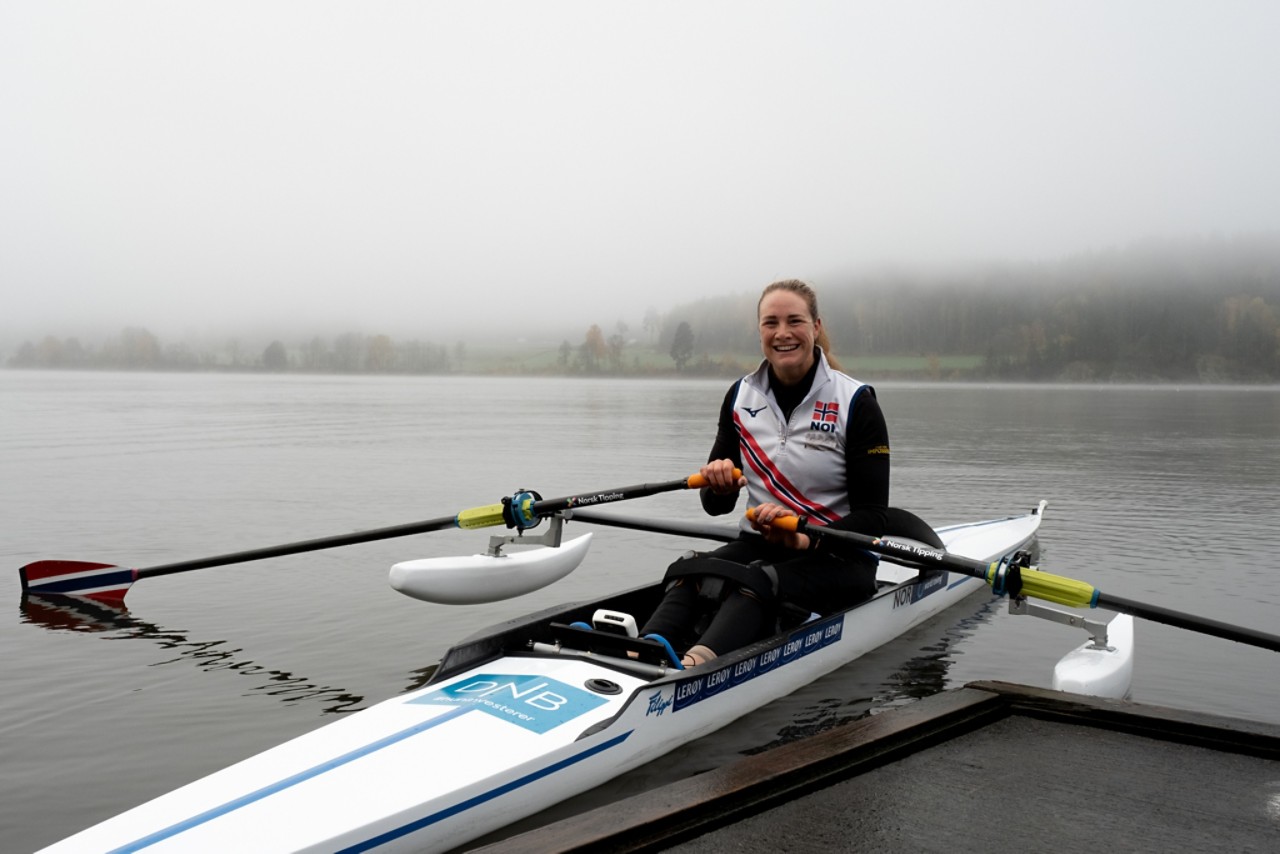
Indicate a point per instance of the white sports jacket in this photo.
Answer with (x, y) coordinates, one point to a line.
(799, 463)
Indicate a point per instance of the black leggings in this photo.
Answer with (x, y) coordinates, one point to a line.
(822, 582)
(740, 619)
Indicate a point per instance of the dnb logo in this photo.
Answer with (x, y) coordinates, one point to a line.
(533, 702)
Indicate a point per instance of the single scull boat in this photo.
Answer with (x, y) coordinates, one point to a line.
(524, 715)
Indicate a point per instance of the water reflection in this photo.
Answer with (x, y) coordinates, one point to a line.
(902, 671)
(420, 677)
(69, 614)
(864, 687)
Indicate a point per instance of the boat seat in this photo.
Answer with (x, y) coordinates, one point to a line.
(905, 525)
(909, 526)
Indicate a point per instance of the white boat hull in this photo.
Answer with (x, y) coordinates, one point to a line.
(513, 732)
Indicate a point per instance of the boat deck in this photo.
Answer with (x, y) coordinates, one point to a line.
(988, 767)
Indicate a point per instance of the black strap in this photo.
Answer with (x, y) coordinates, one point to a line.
(758, 577)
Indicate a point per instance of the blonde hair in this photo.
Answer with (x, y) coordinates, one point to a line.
(806, 293)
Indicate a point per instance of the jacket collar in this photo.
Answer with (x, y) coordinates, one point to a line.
(759, 378)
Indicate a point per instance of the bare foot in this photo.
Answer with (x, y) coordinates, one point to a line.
(698, 655)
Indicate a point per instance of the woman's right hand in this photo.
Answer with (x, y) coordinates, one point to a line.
(720, 479)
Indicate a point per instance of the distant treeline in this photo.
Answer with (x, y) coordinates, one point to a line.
(136, 348)
(1207, 311)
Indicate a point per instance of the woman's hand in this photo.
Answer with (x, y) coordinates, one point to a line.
(762, 521)
(720, 479)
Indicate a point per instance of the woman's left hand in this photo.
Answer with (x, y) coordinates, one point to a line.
(762, 521)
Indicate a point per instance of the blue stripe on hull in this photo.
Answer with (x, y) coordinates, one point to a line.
(427, 821)
(300, 777)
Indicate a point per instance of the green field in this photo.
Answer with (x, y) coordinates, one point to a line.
(911, 364)
(647, 361)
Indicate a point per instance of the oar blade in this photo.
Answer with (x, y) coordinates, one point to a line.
(102, 581)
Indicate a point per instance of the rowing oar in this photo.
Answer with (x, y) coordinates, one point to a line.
(1006, 577)
(523, 510)
(675, 528)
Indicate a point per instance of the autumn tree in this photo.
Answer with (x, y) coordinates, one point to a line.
(380, 355)
(594, 349)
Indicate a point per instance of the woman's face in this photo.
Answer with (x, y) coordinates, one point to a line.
(787, 334)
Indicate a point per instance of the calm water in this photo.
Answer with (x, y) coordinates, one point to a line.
(1164, 495)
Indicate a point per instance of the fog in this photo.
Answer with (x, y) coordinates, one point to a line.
(434, 170)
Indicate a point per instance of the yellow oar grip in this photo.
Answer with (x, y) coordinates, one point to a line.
(782, 523)
(481, 517)
(1054, 588)
(697, 481)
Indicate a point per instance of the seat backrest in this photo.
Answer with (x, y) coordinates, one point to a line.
(904, 523)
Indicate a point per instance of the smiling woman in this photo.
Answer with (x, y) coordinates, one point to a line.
(812, 443)
(790, 328)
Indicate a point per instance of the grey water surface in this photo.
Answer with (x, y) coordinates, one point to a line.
(1166, 495)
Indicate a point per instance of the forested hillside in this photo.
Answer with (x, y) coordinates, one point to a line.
(1208, 311)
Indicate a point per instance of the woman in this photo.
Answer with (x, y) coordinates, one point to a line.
(814, 443)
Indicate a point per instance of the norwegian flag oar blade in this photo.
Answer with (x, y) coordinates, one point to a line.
(101, 581)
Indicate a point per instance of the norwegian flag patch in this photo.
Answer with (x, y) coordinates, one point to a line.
(826, 412)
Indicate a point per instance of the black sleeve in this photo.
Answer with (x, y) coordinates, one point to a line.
(866, 458)
(725, 448)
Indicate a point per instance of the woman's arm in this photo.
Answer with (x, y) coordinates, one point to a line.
(725, 448)
(866, 458)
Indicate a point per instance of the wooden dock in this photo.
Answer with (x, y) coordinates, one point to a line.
(988, 767)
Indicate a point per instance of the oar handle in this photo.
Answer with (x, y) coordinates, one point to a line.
(697, 481)
(783, 523)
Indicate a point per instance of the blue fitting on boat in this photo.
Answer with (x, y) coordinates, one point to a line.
(999, 579)
(522, 510)
(578, 624)
(675, 659)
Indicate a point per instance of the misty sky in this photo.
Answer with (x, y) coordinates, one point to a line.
(421, 168)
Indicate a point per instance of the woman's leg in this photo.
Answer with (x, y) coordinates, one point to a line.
(741, 619)
(675, 615)
(826, 583)
(679, 610)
